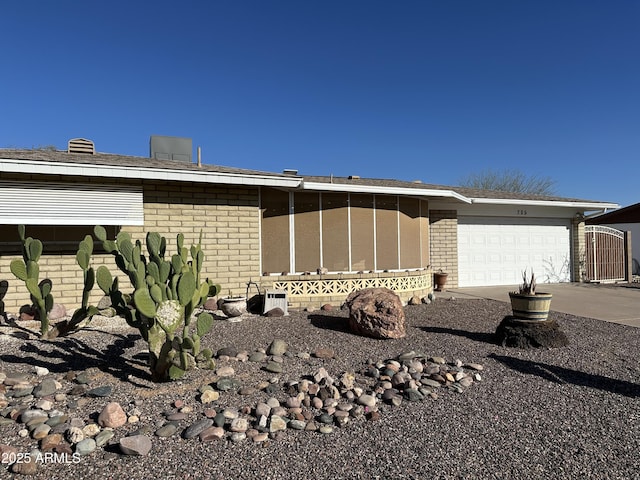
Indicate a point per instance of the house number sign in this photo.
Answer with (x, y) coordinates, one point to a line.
(521, 212)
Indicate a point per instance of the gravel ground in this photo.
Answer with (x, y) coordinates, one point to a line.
(572, 412)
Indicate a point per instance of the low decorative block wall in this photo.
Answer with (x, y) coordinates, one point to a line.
(316, 290)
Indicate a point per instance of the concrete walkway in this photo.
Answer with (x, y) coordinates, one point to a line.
(612, 303)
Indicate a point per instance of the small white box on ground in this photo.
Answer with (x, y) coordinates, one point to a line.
(276, 298)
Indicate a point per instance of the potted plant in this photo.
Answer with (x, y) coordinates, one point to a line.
(440, 280)
(526, 303)
(233, 306)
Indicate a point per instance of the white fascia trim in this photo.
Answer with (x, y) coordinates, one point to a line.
(546, 203)
(373, 189)
(110, 171)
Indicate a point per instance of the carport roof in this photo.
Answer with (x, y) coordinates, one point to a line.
(630, 214)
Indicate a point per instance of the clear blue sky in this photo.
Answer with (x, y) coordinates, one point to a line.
(426, 89)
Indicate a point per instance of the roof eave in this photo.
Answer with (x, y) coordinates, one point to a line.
(111, 171)
(380, 190)
(586, 205)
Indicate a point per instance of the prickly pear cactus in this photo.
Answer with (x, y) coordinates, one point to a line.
(166, 295)
(83, 259)
(27, 269)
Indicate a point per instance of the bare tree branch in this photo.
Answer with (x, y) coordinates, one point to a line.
(513, 181)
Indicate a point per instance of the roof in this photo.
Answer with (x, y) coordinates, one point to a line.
(630, 214)
(120, 160)
(120, 166)
(473, 195)
(44, 161)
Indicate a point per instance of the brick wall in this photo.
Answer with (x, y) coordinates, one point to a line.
(227, 216)
(444, 243)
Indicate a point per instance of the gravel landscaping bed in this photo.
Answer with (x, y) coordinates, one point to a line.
(570, 412)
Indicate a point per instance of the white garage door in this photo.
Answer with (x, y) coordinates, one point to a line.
(492, 252)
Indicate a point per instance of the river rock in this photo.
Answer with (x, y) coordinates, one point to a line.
(367, 400)
(273, 367)
(211, 433)
(257, 357)
(277, 347)
(102, 391)
(86, 446)
(323, 353)
(29, 415)
(103, 437)
(135, 445)
(167, 430)
(277, 423)
(28, 466)
(51, 441)
(209, 396)
(112, 416)
(196, 428)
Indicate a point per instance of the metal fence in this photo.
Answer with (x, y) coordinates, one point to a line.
(605, 256)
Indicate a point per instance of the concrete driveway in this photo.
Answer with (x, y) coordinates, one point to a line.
(612, 303)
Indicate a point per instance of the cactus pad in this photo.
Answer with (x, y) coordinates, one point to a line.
(19, 269)
(104, 279)
(83, 258)
(175, 372)
(144, 303)
(204, 324)
(186, 288)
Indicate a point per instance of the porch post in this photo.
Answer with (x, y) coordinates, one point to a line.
(628, 257)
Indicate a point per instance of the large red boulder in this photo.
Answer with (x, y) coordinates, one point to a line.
(376, 312)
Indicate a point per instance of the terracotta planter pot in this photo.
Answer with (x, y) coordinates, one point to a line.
(439, 281)
(530, 307)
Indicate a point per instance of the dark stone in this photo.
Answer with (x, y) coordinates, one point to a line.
(83, 378)
(514, 332)
(211, 304)
(195, 429)
(27, 313)
(326, 419)
(275, 312)
(103, 391)
(227, 351)
(143, 430)
(45, 388)
(225, 384)
(78, 390)
(219, 420)
(413, 395)
(272, 389)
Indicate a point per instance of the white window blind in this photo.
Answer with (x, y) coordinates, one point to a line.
(40, 203)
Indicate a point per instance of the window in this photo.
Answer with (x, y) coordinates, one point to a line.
(342, 232)
(56, 239)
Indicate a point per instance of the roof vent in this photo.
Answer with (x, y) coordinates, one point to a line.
(290, 171)
(81, 145)
(354, 177)
(170, 148)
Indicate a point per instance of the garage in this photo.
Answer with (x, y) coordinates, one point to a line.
(495, 251)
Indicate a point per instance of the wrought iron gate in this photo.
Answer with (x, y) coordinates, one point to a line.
(604, 254)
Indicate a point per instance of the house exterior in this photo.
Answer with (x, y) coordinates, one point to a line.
(626, 219)
(317, 238)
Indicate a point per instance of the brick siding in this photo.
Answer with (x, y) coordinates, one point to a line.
(444, 243)
(227, 216)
